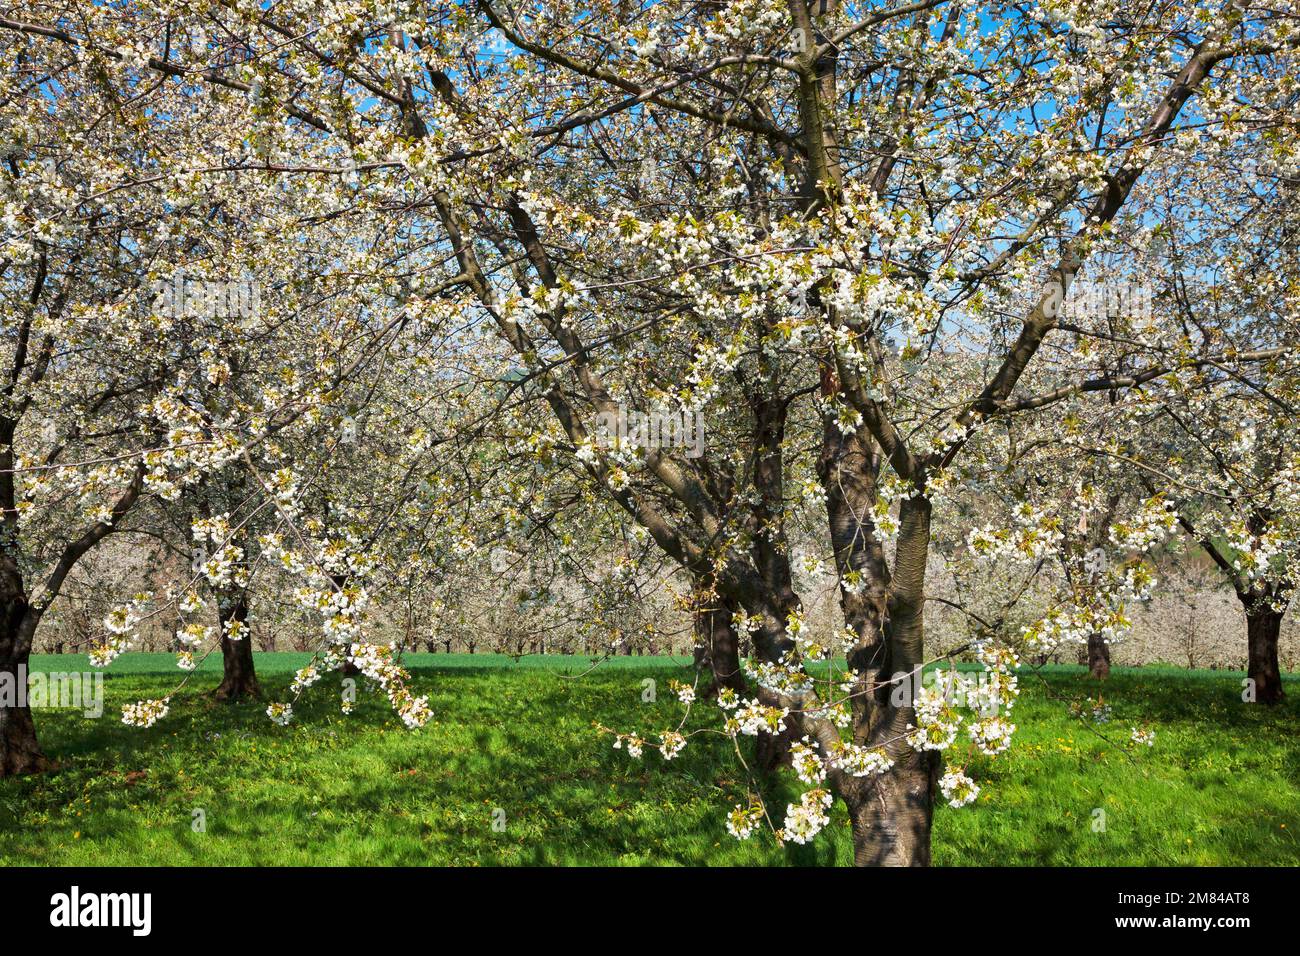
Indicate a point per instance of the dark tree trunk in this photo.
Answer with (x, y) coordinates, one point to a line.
(848, 468)
(1263, 626)
(20, 752)
(892, 812)
(1098, 657)
(891, 819)
(240, 679)
(717, 647)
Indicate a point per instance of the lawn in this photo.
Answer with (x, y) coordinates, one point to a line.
(1221, 786)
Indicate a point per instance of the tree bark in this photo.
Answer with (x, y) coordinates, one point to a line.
(891, 819)
(1263, 626)
(239, 680)
(848, 468)
(717, 647)
(20, 752)
(892, 812)
(1098, 657)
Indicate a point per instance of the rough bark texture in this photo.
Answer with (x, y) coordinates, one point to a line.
(239, 681)
(891, 820)
(848, 467)
(1098, 657)
(891, 813)
(770, 553)
(20, 752)
(717, 647)
(1263, 625)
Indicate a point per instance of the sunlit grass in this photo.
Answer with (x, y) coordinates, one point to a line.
(1220, 787)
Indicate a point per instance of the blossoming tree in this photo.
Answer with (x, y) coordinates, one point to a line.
(843, 233)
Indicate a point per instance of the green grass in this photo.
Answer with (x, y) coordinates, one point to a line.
(1220, 787)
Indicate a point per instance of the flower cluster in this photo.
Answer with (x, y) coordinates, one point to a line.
(685, 692)
(671, 743)
(808, 767)
(753, 718)
(376, 662)
(742, 821)
(937, 720)
(304, 678)
(992, 735)
(805, 819)
(145, 713)
(1142, 737)
(635, 745)
(859, 761)
(957, 788)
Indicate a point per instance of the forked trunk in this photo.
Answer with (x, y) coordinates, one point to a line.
(892, 813)
(1098, 657)
(239, 680)
(891, 819)
(1263, 626)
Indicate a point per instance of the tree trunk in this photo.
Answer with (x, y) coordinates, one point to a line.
(240, 679)
(1098, 657)
(892, 813)
(848, 468)
(1263, 625)
(20, 752)
(891, 820)
(717, 647)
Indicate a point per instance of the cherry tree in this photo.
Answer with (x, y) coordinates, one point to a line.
(841, 233)
(89, 420)
(911, 223)
(174, 308)
(1222, 440)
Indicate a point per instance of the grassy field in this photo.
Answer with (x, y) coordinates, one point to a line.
(1220, 787)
